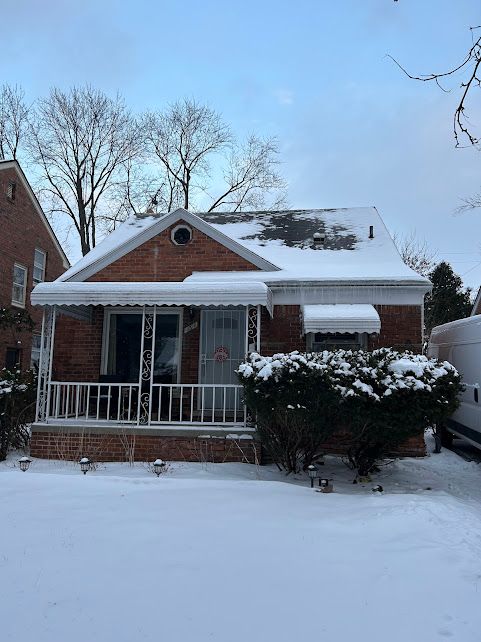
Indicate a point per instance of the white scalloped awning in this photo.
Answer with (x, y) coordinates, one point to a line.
(341, 318)
(142, 293)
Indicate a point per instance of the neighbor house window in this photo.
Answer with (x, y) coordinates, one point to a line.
(12, 358)
(11, 191)
(35, 354)
(319, 341)
(122, 345)
(19, 288)
(39, 261)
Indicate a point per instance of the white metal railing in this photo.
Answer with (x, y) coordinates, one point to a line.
(180, 404)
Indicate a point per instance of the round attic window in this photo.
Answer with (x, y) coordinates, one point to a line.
(181, 235)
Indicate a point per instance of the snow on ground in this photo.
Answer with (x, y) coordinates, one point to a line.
(232, 553)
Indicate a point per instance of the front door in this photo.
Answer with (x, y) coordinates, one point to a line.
(222, 348)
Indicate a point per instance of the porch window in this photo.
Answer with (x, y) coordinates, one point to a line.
(123, 341)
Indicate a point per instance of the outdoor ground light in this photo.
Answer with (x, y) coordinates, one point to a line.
(24, 463)
(84, 465)
(158, 466)
(312, 472)
(325, 486)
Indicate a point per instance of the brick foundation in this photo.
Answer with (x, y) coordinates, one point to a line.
(118, 447)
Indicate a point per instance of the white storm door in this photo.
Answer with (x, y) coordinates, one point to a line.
(222, 348)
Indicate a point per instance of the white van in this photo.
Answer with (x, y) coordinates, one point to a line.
(459, 342)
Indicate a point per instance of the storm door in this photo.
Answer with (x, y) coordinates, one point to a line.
(222, 348)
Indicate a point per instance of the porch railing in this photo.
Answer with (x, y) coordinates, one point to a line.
(180, 404)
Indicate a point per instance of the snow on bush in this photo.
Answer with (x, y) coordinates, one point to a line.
(382, 397)
(17, 402)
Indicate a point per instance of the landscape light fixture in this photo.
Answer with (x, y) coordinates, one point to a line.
(325, 486)
(84, 465)
(159, 466)
(24, 463)
(312, 472)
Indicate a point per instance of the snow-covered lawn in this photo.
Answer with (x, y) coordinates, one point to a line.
(232, 553)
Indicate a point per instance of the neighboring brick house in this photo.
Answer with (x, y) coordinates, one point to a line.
(144, 333)
(29, 254)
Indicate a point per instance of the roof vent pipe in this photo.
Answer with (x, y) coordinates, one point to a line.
(318, 240)
(371, 231)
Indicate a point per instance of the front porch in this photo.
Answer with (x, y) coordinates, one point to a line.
(108, 365)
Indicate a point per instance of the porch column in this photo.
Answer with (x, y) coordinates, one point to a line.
(253, 328)
(45, 363)
(146, 371)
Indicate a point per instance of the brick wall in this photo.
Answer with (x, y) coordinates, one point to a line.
(400, 328)
(78, 348)
(115, 447)
(22, 230)
(160, 260)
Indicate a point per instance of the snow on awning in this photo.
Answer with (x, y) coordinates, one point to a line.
(143, 293)
(341, 318)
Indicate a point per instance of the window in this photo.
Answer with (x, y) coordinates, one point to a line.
(11, 191)
(19, 288)
(12, 359)
(122, 343)
(181, 235)
(319, 341)
(35, 354)
(39, 261)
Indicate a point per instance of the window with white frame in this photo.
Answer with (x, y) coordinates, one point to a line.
(39, 261)
(19, 288)
(35, 354)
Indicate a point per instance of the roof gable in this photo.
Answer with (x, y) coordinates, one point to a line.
(137, 230)
(14, 164)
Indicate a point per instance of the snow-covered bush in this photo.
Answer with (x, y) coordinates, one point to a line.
(388, 397)
(382, 398)
(294, 403)
(17, 405)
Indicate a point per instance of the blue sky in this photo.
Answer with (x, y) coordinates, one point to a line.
(353, 130)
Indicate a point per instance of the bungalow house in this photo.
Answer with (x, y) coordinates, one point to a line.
(143, 335)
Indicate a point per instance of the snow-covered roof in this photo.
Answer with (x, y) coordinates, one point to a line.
(285, 238)
(150, 293)
(280, 243)
(341, 318)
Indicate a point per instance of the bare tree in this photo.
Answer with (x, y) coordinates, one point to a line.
(13, 120)
(183, 139)
(470, 67)
(187, 138)
(415, 253)
(250, 175)
(82, 141)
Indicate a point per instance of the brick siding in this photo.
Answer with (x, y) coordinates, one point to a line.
(161, 260)
(22, 230)
(115, 447)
